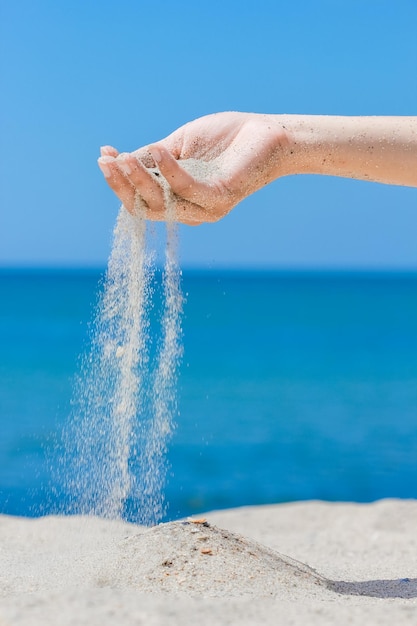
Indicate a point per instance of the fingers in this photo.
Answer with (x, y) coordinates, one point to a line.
(145, 181)
(117, 181)
(127, 176)
(109, 151)
(181, 182)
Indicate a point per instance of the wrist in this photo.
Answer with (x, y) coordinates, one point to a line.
(297, 143)
(306, 146)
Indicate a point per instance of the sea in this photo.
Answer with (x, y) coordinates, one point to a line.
(293, 386)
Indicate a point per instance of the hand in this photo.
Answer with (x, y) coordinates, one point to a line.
(237, 154)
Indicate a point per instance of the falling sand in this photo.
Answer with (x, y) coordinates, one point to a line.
(125, 395)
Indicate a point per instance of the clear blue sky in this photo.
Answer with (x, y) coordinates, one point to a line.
(76, 75)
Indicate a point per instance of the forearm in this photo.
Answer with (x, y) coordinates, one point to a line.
(381, 149)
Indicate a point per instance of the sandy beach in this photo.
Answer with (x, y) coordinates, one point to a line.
(299, 563)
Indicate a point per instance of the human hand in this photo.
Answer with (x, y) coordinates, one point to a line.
(210, 164)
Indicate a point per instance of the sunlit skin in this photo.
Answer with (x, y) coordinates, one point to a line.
(250, 150)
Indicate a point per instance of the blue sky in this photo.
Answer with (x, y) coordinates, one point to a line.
(76, 75)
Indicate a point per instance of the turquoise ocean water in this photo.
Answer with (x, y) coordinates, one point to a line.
(293, 386)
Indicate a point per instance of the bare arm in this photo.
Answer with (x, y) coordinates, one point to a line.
(242, 152)
(380, 149)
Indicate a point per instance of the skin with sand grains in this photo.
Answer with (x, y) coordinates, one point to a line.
(212, 163)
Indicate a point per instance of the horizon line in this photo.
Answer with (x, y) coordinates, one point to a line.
(253, 269)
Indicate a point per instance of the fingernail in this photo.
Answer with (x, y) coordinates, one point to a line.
(104, 168)
(156, 154)
(125, 167)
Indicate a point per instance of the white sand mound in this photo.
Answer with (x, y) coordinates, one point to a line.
(197, 558)
(76, 571)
